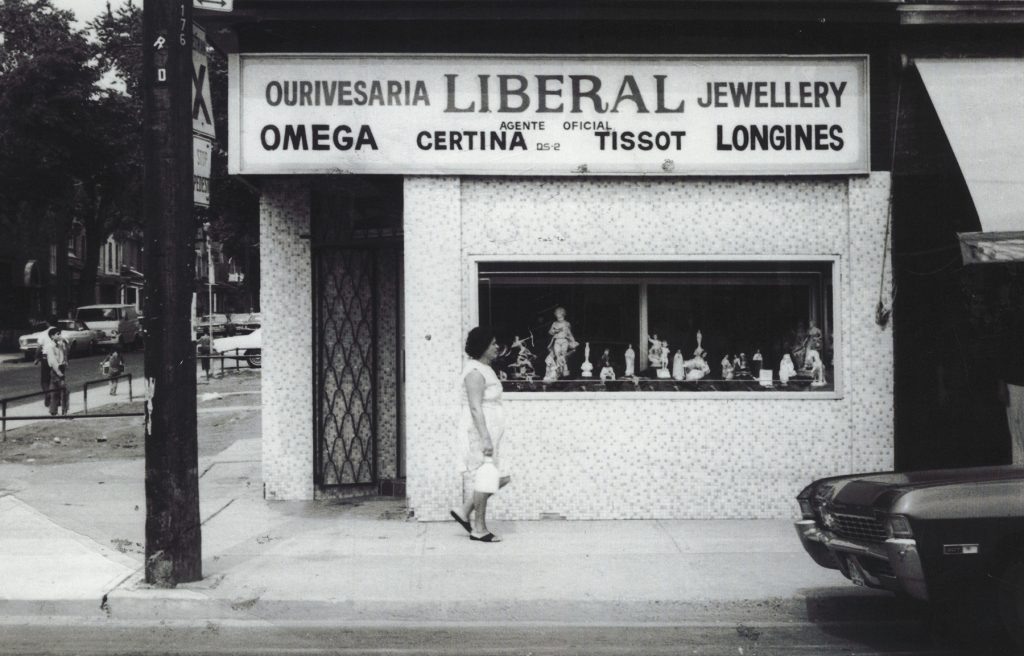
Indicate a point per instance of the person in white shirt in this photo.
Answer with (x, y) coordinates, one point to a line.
(55, 354)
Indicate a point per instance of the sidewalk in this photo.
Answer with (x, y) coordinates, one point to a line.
(366, 561)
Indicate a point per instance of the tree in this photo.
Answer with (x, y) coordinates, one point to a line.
(48, 78)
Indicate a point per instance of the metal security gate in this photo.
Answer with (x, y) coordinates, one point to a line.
(346, 372)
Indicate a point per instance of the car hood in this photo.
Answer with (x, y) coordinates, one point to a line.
(882, 489)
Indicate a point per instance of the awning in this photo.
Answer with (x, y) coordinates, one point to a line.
(980, 103)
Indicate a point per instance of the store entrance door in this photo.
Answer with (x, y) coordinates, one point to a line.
(357, 346)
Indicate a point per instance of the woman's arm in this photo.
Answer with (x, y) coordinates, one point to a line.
(475, 391)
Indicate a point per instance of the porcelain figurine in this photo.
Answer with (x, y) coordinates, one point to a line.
(607, 373)
(786, 369)
(726, 368)
(663, 371)
(757, 362)
(587, 370)
(630, 357)
(814, 363)
(562, 342)
(654, 352)
(550, 368)
(696, 367)
(678, 370)
(815, 339)
(523, 366)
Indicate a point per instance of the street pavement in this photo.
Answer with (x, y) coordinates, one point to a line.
(362, 575)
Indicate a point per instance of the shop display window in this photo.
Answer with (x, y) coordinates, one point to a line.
(665, 326)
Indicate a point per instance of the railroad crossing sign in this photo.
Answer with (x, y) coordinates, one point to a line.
(202, 106)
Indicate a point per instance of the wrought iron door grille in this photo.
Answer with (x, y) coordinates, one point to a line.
(346, 391)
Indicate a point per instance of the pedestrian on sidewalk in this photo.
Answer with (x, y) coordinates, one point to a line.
(44, 368)
(57, 360)
(113, 367)
(203, 348)
(483, 423)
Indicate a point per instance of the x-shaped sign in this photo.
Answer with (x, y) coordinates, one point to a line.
(199, 102)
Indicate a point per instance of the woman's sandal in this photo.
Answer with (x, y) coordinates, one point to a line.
(490, 537)
(463, 523)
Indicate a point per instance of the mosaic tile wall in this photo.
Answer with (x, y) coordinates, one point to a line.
(644, 458)
(286, 303)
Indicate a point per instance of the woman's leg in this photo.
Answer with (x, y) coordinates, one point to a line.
(480, 520)
(467, 508)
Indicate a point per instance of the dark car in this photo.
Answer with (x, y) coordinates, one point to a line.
(933, 535)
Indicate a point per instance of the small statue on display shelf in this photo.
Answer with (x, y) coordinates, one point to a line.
(736, 366)
(743, 363)
(799, 347)
(654, 352)
(697, 367)
(678, 370)
(814, 364)
(815, 339)
(758, 359)
(587, 370)
(523, 366)
(663, 369)
(786, 369)
(630, 356)
(607, 373)
(562, 343)
(550, 368)
(726, 368)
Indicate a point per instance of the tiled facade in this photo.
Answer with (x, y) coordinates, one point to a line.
(604, 457)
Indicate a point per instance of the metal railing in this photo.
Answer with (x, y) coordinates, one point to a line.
(100, 381)
(221, 356)
(5, 402)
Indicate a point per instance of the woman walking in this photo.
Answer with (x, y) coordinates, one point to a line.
(484, 423)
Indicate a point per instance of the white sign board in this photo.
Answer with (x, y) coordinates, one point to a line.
(214, 5)
(202, 156)
(552, 115)
(202, 107)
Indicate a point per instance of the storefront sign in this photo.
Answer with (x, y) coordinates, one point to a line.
(531, 115)
(202, 158)
(202, 112)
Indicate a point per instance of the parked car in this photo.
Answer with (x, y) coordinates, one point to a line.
(80, 339)
(221, 325)
(249, 345)
(247, 324)
(116, 324)
(933, 535)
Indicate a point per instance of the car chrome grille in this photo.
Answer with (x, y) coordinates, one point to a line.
(858, 527)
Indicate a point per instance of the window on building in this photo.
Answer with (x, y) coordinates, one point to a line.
(719, 326)
(53, 259)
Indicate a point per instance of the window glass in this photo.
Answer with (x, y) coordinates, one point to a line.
(722, 326)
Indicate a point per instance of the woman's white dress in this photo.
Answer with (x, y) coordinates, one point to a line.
(494, 416)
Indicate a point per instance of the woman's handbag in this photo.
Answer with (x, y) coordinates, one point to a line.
(487, 477)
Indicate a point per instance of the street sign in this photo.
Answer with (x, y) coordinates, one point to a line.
(213, 5)
(202, 155)
(202, 107)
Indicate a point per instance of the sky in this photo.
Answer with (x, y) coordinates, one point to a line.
(86, 10)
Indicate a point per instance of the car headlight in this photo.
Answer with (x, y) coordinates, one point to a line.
(806, 509)
(898, 526)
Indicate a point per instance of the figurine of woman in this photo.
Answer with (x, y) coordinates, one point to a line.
(678, 371)
(758, 359)
(631, 361)
(697, 367)
(587, 370)
(726, 368)
(562, 342)
(654, 352)
(786, 369)
(814, 337)
(607, 373)
(743, 362)
(663, 371)
(630, 357)
(550, 368)
(814, 363)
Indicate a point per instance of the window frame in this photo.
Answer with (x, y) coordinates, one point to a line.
(473, 262)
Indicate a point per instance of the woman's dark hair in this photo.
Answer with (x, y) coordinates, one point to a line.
(478, 340)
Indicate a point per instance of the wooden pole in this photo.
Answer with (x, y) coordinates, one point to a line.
(173, 540)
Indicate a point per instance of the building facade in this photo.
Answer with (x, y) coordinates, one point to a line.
(770, 250)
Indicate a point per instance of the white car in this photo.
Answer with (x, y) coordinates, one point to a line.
(80, 339)
(249, 345)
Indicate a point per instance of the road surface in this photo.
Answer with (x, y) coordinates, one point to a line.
(18, 377)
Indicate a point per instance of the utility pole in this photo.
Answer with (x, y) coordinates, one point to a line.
(173, 540)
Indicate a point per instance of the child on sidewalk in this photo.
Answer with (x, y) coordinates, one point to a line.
(113, 367)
